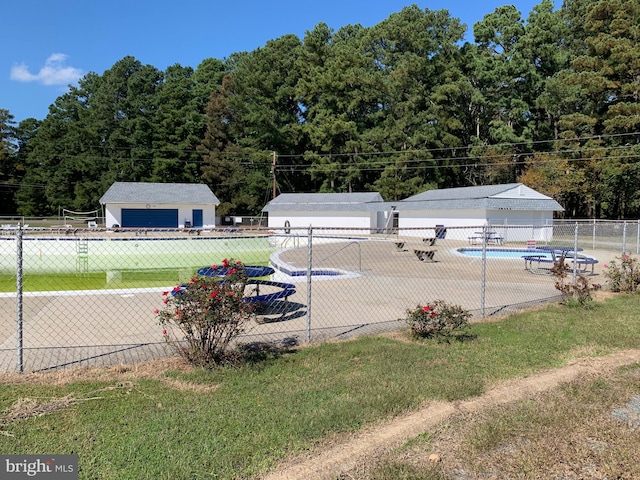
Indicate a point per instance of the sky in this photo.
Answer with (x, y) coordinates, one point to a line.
(50, 44)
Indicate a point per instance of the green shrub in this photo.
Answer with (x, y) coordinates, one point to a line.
(623, 274)
(202, 318)
(437, 319)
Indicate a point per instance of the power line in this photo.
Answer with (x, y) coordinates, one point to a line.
(228, 156)
(467, 147)
(267, 154)
(408, 164)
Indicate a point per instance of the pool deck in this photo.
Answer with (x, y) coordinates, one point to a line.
(61, 327)
(391, 281)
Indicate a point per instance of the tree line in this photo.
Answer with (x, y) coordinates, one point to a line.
(401, 107)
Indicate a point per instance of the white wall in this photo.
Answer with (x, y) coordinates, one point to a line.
(460, 224)
(540, 223)
(337, 219)
(384, 220)
(507, 223)
(428, 219)
(113, 213)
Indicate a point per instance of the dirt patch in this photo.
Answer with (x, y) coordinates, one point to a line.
(119, 375)
(601, 295)
(152, 369)
(191, 386)
(34, 407)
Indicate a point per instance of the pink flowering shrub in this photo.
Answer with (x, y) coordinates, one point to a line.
(623, 274)
(201, 319)
(437, 319)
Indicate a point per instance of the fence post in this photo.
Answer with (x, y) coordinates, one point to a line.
(624, 237)
(483, 282)
(19, 320)
(575, 254)
(309, 275)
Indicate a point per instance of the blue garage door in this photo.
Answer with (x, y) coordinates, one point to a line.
(150, 217)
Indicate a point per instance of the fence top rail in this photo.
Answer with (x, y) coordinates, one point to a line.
(592, 221)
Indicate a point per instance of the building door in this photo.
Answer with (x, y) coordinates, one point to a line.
(196, 216)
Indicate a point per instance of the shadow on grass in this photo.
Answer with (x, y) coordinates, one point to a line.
(464, 337)
(454, 337)
(257, 352)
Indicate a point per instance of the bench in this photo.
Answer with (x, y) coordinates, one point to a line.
(400, 246)
(425, 254)
(538, 259)
(476, 240)
(288, 289)
(582, 263)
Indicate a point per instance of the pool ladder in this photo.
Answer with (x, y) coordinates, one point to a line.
(82, 256)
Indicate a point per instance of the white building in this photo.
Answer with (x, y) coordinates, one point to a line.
(362, 210)
(159, 205)
(502, 207)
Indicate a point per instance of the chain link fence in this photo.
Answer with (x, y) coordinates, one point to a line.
(71, 297)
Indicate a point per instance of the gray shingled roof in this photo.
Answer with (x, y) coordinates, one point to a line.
(462, 193)
(160, 193)
(476, 198)
(306, 202)
(481, 204)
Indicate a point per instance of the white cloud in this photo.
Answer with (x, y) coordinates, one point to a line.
(54, 72)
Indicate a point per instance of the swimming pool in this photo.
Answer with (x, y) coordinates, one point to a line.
(60, 255)
(502, 252)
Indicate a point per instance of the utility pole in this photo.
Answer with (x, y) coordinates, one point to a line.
(273, 173)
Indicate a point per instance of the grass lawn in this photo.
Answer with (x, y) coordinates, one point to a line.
(586, 429)
(238, 422)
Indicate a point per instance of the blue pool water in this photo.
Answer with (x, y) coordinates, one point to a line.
(502, 252)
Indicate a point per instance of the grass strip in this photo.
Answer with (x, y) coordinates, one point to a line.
(253, 416)
(587, 428)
